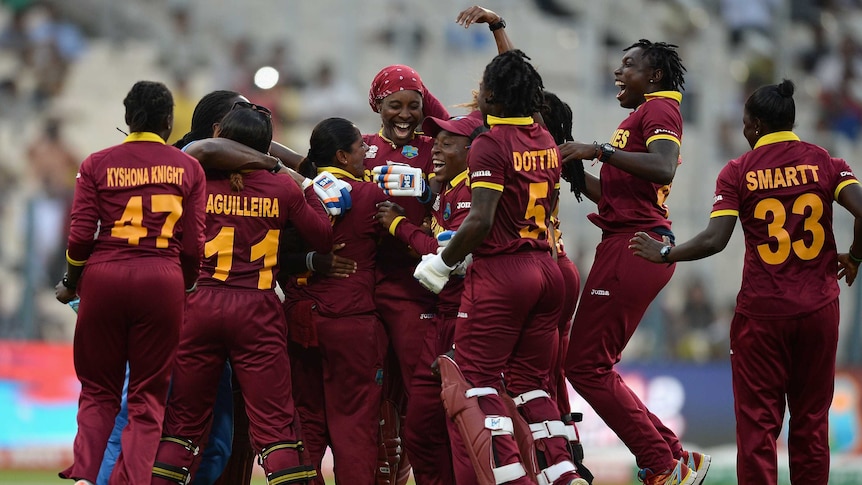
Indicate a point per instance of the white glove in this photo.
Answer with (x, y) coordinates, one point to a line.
(330, 193)
(432, 272)
(400, 180)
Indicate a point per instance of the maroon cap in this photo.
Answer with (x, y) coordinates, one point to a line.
(466, 125)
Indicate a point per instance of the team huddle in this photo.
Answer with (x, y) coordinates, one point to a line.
(429, 318)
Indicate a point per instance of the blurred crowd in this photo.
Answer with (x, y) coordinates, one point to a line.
(817, 42)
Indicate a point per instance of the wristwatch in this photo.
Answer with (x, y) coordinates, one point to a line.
(501, 24)
(65, 282)
(664, 252)
(607, 150)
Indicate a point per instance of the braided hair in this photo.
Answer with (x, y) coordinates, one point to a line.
(148, 104)
(773, 105)
(329, 136)
(514, 83)
(557, 115)
(663, 56)
(209, 111)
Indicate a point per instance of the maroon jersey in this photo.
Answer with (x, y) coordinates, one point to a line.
(243, 229)
(357, 230)
(417, 153)
(448, 212)
(519, 158)
(782, 192)
(142, 198)
(630, 203)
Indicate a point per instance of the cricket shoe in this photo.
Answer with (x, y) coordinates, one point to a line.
(678, 475)
(698, 462)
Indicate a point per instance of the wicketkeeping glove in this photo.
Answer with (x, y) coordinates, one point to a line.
(400, 180)
(432, 272)
(332, 194)
(444, 237)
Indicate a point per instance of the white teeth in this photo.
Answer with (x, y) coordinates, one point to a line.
(403, 126)
(619, 83)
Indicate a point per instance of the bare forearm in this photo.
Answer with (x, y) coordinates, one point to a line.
(469, 236)
(593, 187)
(653, 167)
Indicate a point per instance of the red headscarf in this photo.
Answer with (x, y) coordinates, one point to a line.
(392, 79)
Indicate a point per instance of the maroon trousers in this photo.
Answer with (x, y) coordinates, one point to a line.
(338, 394)
(511, 309)
(571, 291)
(425, 431)
(616, 294)
(130, 311)
(790, 362)
(219, 325)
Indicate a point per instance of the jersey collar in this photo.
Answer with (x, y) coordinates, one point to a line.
(338, 173)
(144, 136)
(517, 121)
(458, 179)
(674, 95)
(775, 137)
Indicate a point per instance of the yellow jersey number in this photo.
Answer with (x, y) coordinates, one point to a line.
(801, 205)
(130, 225)
(536, 212)
(265, 250)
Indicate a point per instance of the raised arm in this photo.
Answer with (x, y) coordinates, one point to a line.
(480, 15)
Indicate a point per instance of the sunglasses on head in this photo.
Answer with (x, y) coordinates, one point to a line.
(252, 106)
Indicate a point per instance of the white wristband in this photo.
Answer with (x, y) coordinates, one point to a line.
(309, 263)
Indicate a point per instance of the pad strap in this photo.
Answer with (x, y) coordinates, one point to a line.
(176, 474)
(481, 391)
(296, 474)
(551, 474)
(549, 429)
(572, 433)
(508, 473)
(189, 445)
(526, 397)
(293, 445)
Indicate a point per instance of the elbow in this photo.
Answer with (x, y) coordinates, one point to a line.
(665, 177)
(665, 172)
(714, 246)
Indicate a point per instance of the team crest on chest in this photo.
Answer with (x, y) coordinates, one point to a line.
(409, 151)
(447, 212)
(372, 152)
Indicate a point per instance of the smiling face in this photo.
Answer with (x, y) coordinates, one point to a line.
(354, 160)
(401, 113)
(449, 155)
(633, 78)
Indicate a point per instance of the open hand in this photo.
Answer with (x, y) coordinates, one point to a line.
(646, 247)
(477, 15)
